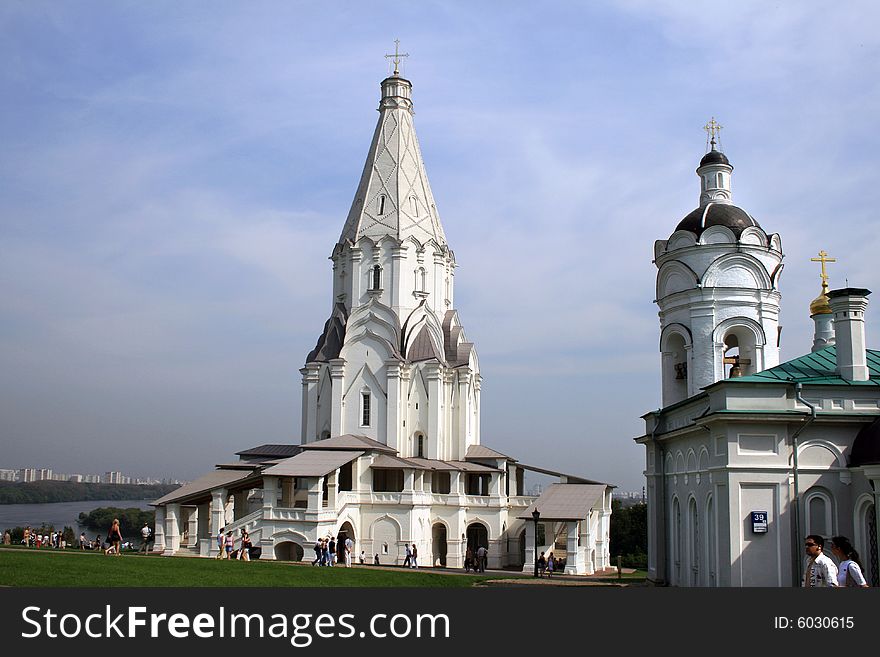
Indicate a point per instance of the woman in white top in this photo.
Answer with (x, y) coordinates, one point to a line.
(850, 572)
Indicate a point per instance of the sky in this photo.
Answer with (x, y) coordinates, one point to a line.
(174, 176)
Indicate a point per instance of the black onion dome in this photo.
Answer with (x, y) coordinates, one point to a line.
(714, 157)
(717, 214)
(866, 447)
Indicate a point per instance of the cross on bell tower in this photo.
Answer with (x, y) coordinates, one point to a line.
(713, 130)
(396, 56)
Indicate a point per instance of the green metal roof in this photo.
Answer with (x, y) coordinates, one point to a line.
(816, 368)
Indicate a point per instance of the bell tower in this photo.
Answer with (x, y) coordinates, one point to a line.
(717, 288)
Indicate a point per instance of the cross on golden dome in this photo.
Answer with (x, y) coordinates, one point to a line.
(823, 258)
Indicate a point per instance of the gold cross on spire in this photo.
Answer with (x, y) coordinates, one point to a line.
(713, 129)
(396, 56)
(823, 258)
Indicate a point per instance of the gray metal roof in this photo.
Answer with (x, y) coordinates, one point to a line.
(483, 452)
(566, 501)
(386, 461)
(270, 450)
(349, 441)
(468, 466)
(204, 484)
(310, 463)
(433, 464)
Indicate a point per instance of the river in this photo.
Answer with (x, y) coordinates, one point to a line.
(59, 514)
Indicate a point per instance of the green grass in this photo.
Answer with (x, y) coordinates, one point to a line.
(73, 568)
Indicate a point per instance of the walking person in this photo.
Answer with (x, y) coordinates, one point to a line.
(819, 570)
(349, 549)
(318, 550)
(550, 565)
(114, 538)
(407, 559)
(245, 552)
(331, 551)
(469, 560)
(146, 532)
(325, 552)
(542, 565)
(481, 559)
(221, 543)
(229, 544)
(849, 572)
(414, 562)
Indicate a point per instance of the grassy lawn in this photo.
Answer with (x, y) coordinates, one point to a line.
(46, 567)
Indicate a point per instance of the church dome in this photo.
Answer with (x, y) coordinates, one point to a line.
(820, 305)
(714, 157)
(866, 447)
(717, 214)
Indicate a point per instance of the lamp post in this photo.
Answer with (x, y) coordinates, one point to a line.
(536, 516)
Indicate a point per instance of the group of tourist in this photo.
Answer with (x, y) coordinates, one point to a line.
(549, 565)
(821, 571)
(226, 545)
(329, 551)
(36, 539)
(476, 559)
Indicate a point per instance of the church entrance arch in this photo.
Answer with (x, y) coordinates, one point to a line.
(289, 551)
(477, 535)
(345, 531)
(438, 544)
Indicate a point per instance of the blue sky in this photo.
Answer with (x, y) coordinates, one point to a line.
(174, 176)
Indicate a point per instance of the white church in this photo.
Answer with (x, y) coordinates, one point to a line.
(748, 455)
(391, 452)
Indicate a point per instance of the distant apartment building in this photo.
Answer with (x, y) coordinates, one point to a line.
(8, 475)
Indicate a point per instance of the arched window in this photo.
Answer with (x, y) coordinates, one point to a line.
(720, 180)
(420, 446)
(818, 511)
(381, 204)
(694, 543)
(421, 279)
(676, 541)
(376, 278)
(414, 206)
(365, 409)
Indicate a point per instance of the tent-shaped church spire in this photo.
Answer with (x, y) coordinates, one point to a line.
(394, 197)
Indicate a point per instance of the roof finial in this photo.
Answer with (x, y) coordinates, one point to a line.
(713, 129)
(823, 258)
(396, 56)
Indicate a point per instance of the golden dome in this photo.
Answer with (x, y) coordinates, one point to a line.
(820, 305)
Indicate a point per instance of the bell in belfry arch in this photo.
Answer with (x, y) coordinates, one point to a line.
(735, 371)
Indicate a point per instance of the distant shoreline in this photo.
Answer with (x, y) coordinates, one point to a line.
(49, 492)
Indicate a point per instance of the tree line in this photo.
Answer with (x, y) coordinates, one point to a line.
(130, 520)
(629, 534)
(43, 492)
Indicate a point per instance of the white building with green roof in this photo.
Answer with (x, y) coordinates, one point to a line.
(748, 456)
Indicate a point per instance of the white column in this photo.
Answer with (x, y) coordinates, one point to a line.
(393, 416)
(398, 286)
(529, 565)
(172, 529)
(218, 513)
(316, 494)
(159, 530)
(464, 374)
(204, 540)
(310, 375)
(357, 277)
(337, 379)
(574, 561)
(433, 374)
